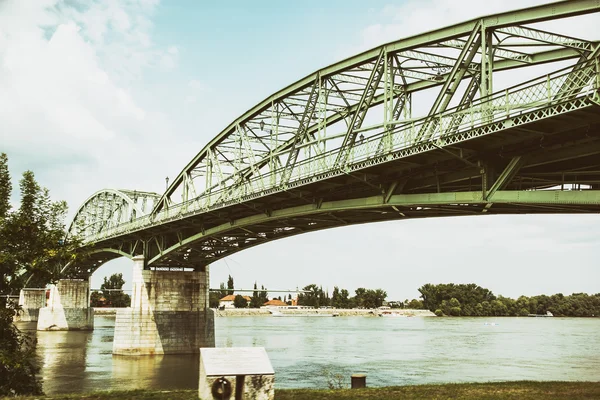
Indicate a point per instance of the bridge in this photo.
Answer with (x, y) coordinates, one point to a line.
(489, 116)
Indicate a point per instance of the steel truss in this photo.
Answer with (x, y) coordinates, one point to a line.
(364, 114)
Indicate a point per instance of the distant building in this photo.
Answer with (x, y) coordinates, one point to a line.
(227, 301)
(274, 303)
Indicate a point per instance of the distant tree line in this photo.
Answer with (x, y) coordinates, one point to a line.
(473, 300)
(443, 299)
(313, 295)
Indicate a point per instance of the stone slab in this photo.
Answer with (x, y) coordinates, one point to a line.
(228, 361)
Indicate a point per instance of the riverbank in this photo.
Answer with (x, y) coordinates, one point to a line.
(523, 390)
(263, 312)
(256, 312)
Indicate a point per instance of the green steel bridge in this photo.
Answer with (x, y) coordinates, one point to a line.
(490, 116)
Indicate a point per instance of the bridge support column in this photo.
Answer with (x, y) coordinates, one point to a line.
(169, 313)
(68, 307)
(31, 300)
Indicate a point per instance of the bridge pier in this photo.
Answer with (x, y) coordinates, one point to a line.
(68, 307)
(169, 313)
(31, 301)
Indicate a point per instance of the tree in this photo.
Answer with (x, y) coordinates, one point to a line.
(312, 296)
(255, 302)
(34, 251)
(240, 302)
(414, 304)
(263, 295)
(213, 299)
(111, 289)
(224, 292)
(5, 186)
(230, 285)
(96, 299)
(335, 297)
(345, 299)
(18, 367)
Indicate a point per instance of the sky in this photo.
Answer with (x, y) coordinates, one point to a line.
(123, 93)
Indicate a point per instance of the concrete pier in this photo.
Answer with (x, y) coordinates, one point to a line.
(31, 300)
(169, 313)
(68, 307)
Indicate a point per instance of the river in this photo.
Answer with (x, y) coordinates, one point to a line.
(307, 352)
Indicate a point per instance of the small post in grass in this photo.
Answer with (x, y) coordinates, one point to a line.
(358, 381)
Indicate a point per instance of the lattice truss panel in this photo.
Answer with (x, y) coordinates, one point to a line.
(402, 98)
(108, 209)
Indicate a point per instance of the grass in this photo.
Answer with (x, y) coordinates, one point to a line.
(524, 390)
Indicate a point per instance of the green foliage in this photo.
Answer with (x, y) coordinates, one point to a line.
(230, 285)
(522, 390)
(313, 296)
(223, 292)
(96, 299)
(213, 299)
(439, 313)
(259, 298)
(112, 293)
(473, 300)
(340, 298)
(5, 186)
(34, 252)
(414, 304)
(240, 302)
(369, 298)
(18, 366)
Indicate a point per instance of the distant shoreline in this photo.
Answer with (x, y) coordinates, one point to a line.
(255, 312)
(263, 312)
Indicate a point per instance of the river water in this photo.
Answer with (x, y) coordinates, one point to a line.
(308, 352)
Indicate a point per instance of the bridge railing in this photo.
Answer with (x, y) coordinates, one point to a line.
(558, 92)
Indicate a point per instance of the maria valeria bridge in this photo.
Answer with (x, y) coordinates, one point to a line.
(489, 116)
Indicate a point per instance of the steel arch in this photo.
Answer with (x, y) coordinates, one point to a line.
(349, 133)
(262, 148)
(108, 208)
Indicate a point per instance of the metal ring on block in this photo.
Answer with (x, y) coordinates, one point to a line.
(221, 389)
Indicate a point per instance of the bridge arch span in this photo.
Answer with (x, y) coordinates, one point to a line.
(324, 121)
(421, 118)
(108, 208)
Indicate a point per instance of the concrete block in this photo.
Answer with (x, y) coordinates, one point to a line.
(166, 316)
(67, 308)
(31, 300)
(236, 373)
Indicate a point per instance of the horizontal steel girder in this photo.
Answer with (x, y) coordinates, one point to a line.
(584, 197)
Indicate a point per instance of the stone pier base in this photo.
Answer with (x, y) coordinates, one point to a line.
(31, 300)
(169, 314)
(68, 307)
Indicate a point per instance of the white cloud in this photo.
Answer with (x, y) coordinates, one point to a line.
(67, 108)
(417, 16)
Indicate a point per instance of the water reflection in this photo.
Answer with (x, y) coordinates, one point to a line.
(64, 357)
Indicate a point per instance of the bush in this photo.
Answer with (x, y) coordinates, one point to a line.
(240, 302)
(439, 313)
(18, 365)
